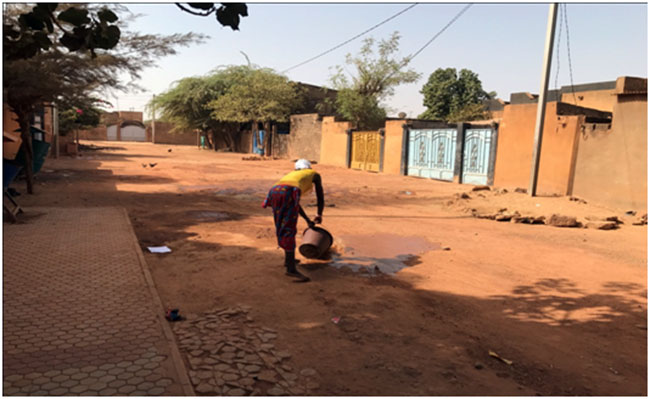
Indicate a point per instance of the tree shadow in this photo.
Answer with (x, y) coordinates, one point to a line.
(93, 147)
(561, 302)
(561, 285)
(563, 340)
(398, 216)
(625, 287)
(118, 156)
(96, 175)
(390, 323)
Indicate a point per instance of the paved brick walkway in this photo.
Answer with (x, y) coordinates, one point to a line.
(80, 315)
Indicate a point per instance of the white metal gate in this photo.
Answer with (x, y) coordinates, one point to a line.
(111, 133)
(133, 133)
(432, 153)
(476, 157)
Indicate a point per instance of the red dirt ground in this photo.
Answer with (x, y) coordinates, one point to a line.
(567, 306)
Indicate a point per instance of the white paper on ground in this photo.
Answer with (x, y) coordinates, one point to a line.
(159, 250)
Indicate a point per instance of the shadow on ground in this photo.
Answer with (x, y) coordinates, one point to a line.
(393, 338)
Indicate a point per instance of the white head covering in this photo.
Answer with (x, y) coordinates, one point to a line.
(303, 164)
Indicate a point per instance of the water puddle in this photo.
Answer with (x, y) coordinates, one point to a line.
(380, 252)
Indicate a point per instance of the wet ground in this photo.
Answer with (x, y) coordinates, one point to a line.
(566, 306)
(379, 252)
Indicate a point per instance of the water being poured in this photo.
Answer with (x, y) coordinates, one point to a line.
(379, 252)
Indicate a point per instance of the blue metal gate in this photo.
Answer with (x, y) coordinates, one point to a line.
(258, 142)
(476, 156)
(432, 153)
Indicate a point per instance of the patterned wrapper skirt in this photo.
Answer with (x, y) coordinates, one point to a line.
(285, 202)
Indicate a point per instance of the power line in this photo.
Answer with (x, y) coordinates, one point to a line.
(568, 48)
(440, 32)
(349, 40)
(558, 92)
(408, 59)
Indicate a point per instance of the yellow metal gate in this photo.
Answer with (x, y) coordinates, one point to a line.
(366, 150)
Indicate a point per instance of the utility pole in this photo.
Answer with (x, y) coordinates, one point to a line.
(153, 120)
(541, 101)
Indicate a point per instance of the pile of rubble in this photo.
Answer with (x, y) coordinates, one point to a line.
(592, 222)
(259, 158)
(228, 354)
(503, 215)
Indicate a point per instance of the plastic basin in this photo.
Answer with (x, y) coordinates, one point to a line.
(315, 242)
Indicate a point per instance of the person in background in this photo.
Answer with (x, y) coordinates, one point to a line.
(284, 197)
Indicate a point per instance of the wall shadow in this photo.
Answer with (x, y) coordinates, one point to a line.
(117, 156)
(95, 175)
(94, 147)
(564, 341)
(396, 338)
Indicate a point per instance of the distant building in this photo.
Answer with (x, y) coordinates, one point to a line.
(313, 96)
(118, 126)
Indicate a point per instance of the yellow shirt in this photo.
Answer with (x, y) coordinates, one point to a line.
(303, 179)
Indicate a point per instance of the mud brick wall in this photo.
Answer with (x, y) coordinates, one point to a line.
(165, 135)
(304, 139)
(334, 142)
(281, 145)
(611, 165)
(515, 149)
(97, 133)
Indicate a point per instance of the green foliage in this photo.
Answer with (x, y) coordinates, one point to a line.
(452, 96)
(228, 14)
(364, 111)
(255, 94)
(71, 119)
(186, 103)
(234, 94)
(469, 112)
(374, 80)
(75, 78)
(76, 28)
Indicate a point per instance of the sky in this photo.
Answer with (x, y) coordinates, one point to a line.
(503, 43)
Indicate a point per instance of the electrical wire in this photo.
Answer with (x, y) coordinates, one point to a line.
(353, 38)
(440, 32)
(568, 47)
(558, 92)
(408, 59)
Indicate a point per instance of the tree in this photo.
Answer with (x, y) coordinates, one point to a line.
(74, 78)
(186, 105)
(469, 112)
(74, 119)
(76, 28)
(81, 30)
(359, 97)
(255, 95)
(454, 97)
(27, 34)
(227, 14)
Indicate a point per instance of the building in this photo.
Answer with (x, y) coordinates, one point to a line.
(594, 144)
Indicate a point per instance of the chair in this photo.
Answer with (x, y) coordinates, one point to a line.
(9, 173)
(40, 149)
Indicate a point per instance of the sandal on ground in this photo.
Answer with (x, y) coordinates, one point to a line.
(301, 278)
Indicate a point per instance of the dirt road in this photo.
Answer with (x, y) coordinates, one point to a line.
(567, 306)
